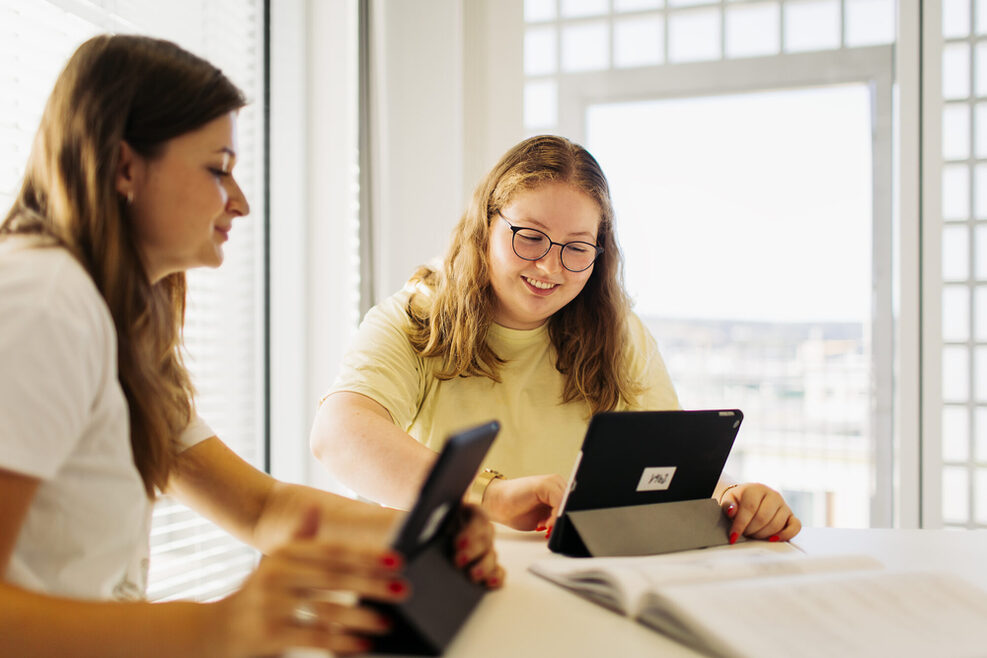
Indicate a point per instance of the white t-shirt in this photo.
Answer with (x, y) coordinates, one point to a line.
(64, 420)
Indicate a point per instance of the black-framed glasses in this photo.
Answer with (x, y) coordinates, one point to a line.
(532, 244)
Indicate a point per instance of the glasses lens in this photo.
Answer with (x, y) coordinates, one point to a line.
(530, 244)
(577, 256)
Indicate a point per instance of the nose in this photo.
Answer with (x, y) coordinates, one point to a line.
(237, 203)
(551, 262)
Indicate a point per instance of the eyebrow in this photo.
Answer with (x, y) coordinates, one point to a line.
(537, 223)
(226, 149)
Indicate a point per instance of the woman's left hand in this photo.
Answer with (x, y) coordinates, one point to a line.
(760, 512)
(474, 550)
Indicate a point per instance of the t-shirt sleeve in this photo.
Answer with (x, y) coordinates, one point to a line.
(382, 365)
(196, 432)
(51, 350)
(648, 368)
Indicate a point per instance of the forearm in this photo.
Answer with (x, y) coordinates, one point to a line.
(340, 517)
(354, 438)
(37, 625)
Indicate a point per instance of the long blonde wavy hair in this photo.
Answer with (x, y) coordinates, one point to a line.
(589, 334)
(143, 91)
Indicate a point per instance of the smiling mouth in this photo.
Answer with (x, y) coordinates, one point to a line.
(540, 285)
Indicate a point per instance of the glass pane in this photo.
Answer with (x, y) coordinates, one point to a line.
(690, 3)
(639, 41)
(539, 10)
(955, 494)
(980, 494)
(955, 71)
(955, 374)
(540, 104)
(539, 51)
(955, 253)
(800, 369)
(981, 16)
(585, 47)
(869, 22)
(981, 69)
(955, 192)
(980, 130)
(980, 312)
(980, 191)
(580, 8)
(955, 313)
(955, 434)
(753, 30)
(956, 131)
(955, 18)
(980, 434)
(812, 25)
(980, 252)
(636, 5)
(980, 373)
(694, 35)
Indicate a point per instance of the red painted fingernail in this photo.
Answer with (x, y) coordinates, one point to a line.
(773, 538)
(462, 559)
(476, 573)
(733, 537)
(493, 582)
(731, 510)
(397, 587)
(391, 560)
(540, 527)
(462, 543)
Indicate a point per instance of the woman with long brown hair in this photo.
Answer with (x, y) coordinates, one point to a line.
(526, 321)
(130, 183)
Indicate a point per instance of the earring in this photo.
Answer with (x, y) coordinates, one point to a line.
(130, 197)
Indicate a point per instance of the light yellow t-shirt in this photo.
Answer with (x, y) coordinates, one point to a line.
(539, 434)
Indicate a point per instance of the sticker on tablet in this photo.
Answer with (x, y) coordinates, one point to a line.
(656, 478)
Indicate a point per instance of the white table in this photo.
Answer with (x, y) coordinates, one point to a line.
(531, 617)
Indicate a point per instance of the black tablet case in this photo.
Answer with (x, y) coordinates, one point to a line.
(606, 514)
(442, 597)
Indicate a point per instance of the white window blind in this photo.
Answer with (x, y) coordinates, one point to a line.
(190, 557)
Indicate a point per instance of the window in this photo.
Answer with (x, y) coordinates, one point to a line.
(962, 162)
(224, 331)
(755, 138)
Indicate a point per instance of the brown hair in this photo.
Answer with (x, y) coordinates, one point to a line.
(589, 333)
(143, 91)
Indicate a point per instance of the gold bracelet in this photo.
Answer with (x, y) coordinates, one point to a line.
(724, 492)
(480, 483)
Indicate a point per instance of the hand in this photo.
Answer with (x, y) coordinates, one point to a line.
(760, 512)
(475, 553)
(284, 602)
(524, 503)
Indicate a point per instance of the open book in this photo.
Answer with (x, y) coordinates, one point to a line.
(760, 599)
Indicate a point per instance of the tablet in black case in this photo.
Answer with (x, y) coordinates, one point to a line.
(442, 597)
(634, 459)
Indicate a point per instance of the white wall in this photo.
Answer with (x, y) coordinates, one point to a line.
(313, 135)
(447, 105)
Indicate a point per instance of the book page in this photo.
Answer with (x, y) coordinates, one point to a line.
(849, 615)
(621, 583)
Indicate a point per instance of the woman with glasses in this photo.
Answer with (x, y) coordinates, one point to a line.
(526, 321)
(130, 183)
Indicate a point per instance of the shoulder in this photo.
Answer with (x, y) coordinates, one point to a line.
(47, 284)
(638, 335)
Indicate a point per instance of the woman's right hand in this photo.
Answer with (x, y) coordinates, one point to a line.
(307, 593)
(528, 503)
